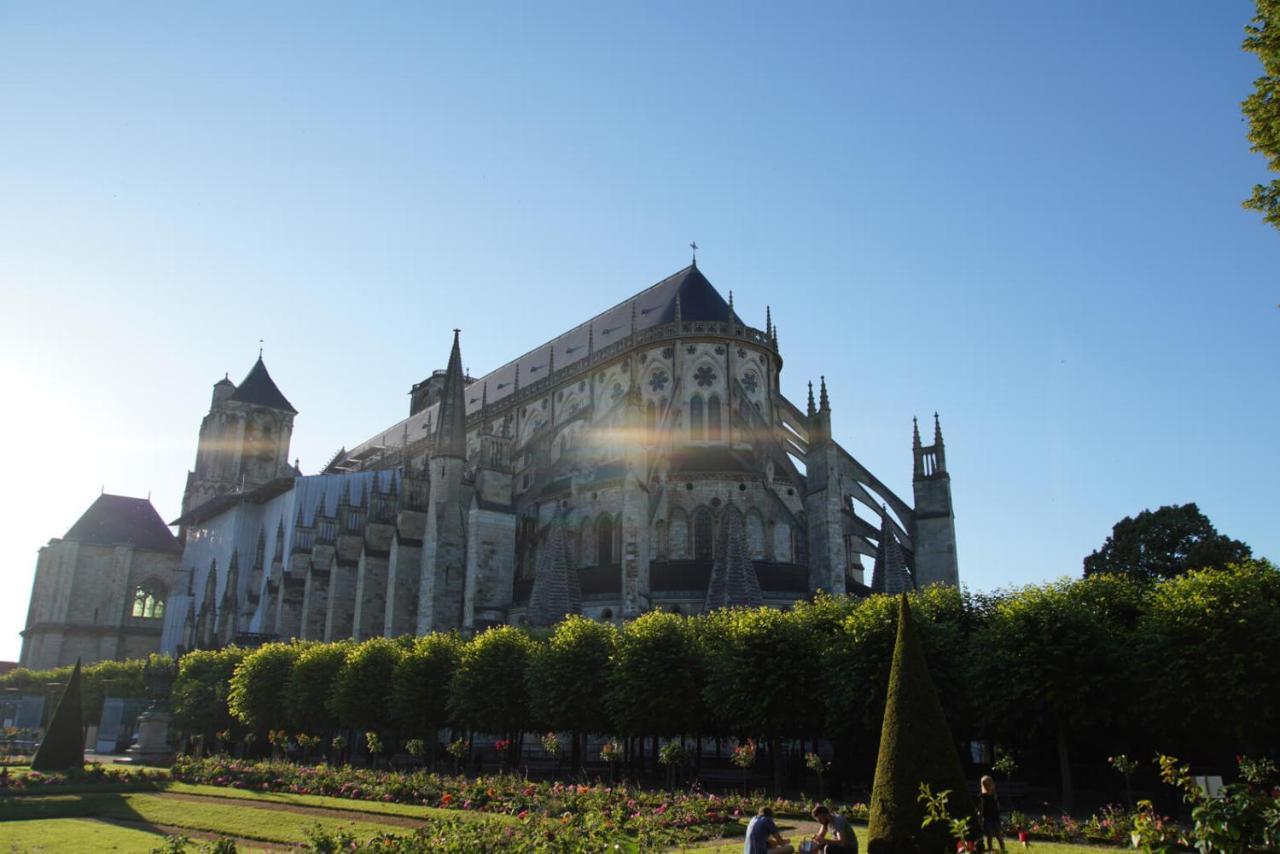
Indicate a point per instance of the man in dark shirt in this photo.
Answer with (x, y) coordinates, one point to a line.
(836, 835)
(763, 835)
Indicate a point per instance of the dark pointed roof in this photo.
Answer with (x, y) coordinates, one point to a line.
(557, 589)
(451, 425)
(114, 520)
(260, 390)
(733, 581)
(891, 574)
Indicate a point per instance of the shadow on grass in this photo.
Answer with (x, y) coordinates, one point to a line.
(110, 806)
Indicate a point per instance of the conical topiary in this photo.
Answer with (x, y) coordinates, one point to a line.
(915, 748)
(63, 746)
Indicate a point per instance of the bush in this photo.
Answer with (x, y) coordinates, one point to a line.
(63, 746)
(915, 750)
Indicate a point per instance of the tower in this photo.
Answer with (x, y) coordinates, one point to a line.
(444, 559)
(935, 525)
(824, 501)
(244, 440)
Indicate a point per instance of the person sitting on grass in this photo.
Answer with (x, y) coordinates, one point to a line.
(763, 835)
(836, 834)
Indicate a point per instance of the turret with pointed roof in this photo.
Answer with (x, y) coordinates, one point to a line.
(451, 421)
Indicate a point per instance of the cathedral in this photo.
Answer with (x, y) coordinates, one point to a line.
(644, 459)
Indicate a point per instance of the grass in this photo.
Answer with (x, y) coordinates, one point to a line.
(230, 819)
(74, 836)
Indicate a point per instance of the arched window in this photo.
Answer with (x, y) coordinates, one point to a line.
(650, 419)
(713, 418)
(703, 535)
(660, 539)
(148, 602)
(695, 417)
(604, 541)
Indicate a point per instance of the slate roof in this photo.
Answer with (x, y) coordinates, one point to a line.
(653, 306)
(114, 520)
(259, 389)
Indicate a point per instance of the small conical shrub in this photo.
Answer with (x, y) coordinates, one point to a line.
(63, 746)
(915, 748)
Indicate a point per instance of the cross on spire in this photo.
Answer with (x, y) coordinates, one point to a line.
(694, 247)
(259, 348)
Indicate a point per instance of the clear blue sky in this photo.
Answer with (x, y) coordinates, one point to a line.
(1023, 215)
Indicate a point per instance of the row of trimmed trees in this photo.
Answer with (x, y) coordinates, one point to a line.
(1059, 675)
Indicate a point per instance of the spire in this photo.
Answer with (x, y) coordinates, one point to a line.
(591, 340)
(517, 385)
(451, 428)
(917, 453)
(768, 322)
(937, 430)
(812, 410)
(731, 306)
(824, 403)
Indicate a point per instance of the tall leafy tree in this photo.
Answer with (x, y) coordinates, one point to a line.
(1164, 543)
(761, 667)
(488, 691)
(361, 696)
(655, 683)
(420, 685)
(311, 684)
(1262, 108)
(199, 695)
(568, 678)
(1210, 643)
(259, 691)
(1058, 665)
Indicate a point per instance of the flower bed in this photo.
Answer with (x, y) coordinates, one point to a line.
(93, 776)
(681, 817)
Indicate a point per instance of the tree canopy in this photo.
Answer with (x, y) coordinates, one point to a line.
(1165, 543)
(1262, 108)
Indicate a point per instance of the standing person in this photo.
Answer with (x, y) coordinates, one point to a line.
(763, 835)
(991, 828)
(836, 835)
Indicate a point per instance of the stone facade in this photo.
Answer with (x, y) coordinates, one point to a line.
(100, 591)
(645, 459)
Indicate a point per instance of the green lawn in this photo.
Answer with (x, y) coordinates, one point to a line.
(230, 819)
(73, 836)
